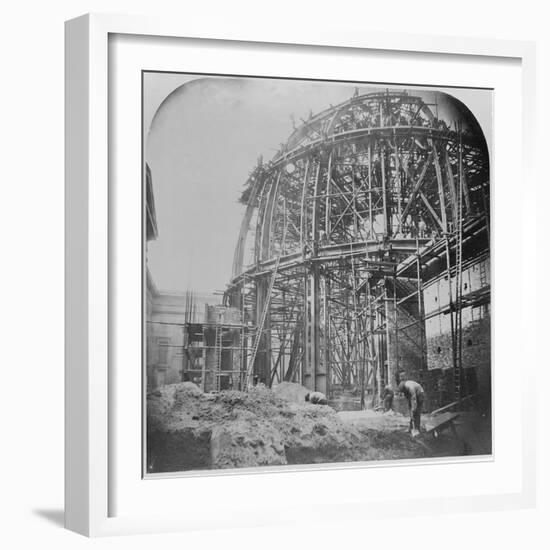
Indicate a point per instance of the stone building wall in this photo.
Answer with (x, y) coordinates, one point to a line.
(166, 316)
(425, 351)
(476, 334)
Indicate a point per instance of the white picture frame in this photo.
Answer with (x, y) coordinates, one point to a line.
(92, 442)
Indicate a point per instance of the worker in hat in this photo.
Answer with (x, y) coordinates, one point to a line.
(316, 398)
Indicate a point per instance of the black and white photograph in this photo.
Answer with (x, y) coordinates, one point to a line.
(250, 275)
(316, 272)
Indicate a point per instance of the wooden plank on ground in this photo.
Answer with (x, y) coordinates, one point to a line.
(439, 422)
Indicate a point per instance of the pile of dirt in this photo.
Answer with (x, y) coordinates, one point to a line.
(290, 391)
(188, 429)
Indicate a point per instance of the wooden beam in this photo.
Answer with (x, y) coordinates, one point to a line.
(440, 189)
(452, 188)
(384, 198)
(432, 211)
(303, 221)
(463, 183)
(417, 186)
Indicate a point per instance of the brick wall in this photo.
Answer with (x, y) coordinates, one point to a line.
(433, 369)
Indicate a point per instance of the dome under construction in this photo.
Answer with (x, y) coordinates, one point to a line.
(364, 251)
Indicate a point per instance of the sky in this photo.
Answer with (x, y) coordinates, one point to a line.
(203, 135)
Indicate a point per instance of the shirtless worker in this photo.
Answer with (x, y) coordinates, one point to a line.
(414, 393)
(316, 398)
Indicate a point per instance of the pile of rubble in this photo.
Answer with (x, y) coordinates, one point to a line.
(191, 430)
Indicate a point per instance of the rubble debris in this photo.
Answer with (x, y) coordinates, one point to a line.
(188, 430)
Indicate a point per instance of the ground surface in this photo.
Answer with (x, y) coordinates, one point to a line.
(375, 420)
(471, 436)
(191, 430)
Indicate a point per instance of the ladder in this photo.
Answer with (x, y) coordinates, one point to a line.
(260, 327)
(218, 363)
(483, 274)
(458, 304)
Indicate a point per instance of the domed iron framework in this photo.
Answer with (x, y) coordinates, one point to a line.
(362, 205)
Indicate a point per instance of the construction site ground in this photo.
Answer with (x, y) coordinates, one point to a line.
(191, 430)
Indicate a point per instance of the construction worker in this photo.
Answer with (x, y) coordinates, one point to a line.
(316, 398)
(387, 398)
(421, 228)
(414, 393)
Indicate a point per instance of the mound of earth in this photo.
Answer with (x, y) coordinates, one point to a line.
(290, 391)
(188, 429)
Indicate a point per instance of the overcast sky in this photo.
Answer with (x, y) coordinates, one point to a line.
(203, 137)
